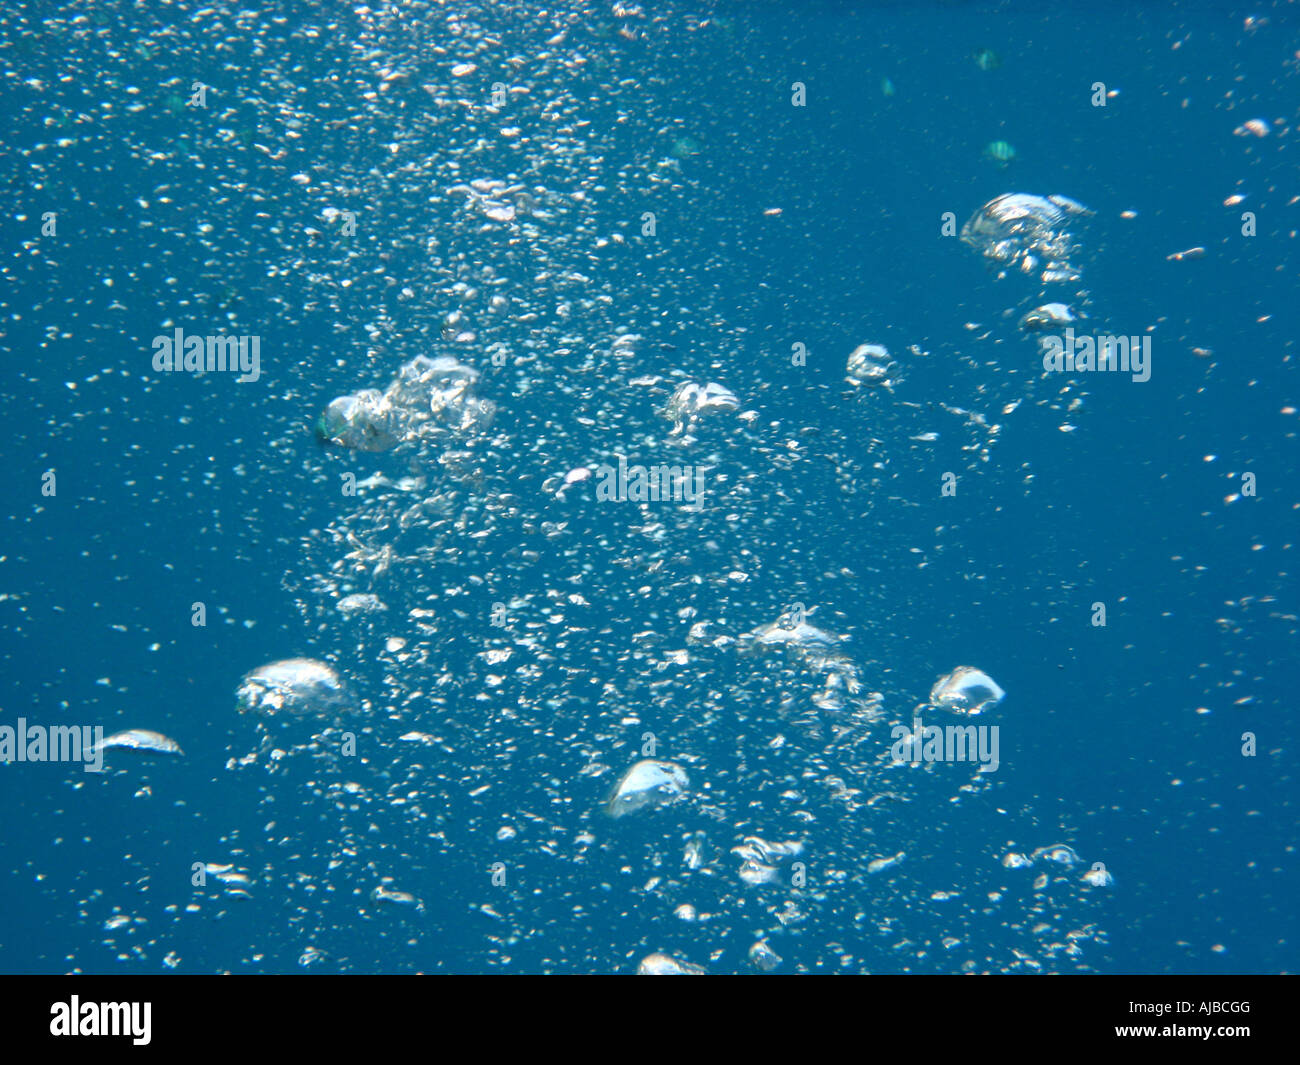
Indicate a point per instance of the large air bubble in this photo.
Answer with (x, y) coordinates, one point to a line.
(1033, 234)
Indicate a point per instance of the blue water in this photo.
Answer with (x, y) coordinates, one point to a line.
(1123, 741)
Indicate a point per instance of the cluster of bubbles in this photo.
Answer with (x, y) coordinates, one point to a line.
(538, 655)
(1035, 236)
(532, 731)
(428, 396)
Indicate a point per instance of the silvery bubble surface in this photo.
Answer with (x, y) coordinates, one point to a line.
(648, 784)
(295, 686)
(142, 739)
(966, 691)
(693, 401)
(666, 965)
(1048, 316)
(1033, 234)
(871, 365)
